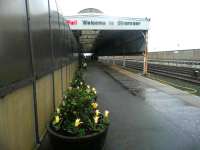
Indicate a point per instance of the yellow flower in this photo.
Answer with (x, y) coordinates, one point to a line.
(88, 86)
(106, 113)
(74, 112)
(63, 103)
(94, 105)
(58, 110)
(77, 87)
(56, 120)
(94, 90)
(96, 119)
(81, 83)
(88, 90)
(97, 112)
(77, 122)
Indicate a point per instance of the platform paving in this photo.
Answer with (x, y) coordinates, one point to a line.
(143, 116)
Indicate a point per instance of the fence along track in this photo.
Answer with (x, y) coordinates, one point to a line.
(181, 73)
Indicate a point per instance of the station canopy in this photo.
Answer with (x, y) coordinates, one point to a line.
(107, 35)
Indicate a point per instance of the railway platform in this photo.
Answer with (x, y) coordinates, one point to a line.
(145, 114)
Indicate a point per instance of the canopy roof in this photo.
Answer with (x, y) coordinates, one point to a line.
(107, 35)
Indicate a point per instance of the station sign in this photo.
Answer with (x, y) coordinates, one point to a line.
(98, 22)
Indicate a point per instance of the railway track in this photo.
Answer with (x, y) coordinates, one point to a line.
(182, 73)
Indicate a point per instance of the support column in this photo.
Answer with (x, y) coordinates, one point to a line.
(108, 60)
(145, 68)
(124, 61)
(113, 58)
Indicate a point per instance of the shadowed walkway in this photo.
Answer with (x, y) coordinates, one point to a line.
(138, 123)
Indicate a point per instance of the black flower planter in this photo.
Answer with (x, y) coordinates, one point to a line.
(90, 142)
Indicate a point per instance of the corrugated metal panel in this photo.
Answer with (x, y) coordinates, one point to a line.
(48, 39)
(14, 49)
(62, 38)
(40, 35)
(54, 27)
(59, 37)
(67, 49)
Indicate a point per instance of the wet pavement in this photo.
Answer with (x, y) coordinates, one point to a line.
(144, 117)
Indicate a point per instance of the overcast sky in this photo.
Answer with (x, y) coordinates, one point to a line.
(175, 24)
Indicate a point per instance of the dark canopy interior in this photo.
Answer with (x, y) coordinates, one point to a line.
(111, 42)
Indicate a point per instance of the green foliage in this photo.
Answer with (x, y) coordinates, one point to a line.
(75, 116)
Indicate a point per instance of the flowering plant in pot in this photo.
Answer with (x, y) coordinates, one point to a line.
(78, 123)
(79, 83)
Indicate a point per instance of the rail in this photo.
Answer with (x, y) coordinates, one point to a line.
(182, 73)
